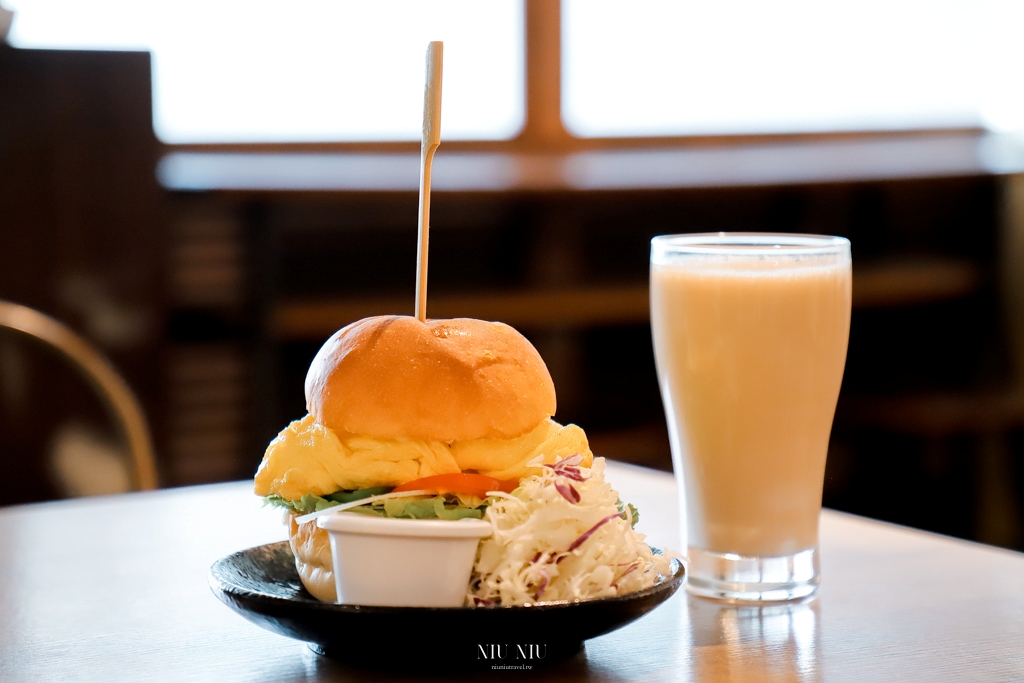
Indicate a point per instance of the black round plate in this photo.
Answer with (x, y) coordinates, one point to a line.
(263, 586)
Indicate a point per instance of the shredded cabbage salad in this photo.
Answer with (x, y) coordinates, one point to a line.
(562, 535)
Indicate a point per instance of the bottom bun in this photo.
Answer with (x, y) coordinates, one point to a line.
(312, 549)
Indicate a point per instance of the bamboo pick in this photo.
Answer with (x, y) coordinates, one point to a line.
(431, 139)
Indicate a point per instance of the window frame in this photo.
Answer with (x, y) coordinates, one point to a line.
(543, 130)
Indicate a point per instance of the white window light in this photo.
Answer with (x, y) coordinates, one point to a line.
(303, 70)
(686, 67)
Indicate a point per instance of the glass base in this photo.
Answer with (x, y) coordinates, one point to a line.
(738, 578)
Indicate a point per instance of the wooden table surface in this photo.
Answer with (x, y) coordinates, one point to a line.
(115, 589)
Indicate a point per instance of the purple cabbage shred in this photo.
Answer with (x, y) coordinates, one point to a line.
(543, 583)
(567, 491)
(579, 541)
(569, 467)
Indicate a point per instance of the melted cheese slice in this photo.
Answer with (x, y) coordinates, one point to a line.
(307, 457)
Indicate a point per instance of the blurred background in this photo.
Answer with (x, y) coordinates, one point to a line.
(206, 190)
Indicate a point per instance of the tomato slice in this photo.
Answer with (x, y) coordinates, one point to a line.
(463, 482)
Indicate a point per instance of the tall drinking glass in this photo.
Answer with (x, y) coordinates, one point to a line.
(750, 333)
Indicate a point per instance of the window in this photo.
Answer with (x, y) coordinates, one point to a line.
(241, 71)
(686, 67)
(304, 70)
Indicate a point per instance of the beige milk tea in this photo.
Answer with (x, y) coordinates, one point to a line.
(750, 354)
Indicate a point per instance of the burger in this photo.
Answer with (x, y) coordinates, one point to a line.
(461, 410)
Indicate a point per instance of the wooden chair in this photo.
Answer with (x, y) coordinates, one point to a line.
(121, 404)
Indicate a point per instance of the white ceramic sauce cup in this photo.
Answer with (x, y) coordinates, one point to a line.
(402, 562)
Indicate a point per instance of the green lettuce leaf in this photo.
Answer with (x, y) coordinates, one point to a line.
(351, 496)
(313, 503)
(274, 500)
(437, 507)
(308, 503)
(422, 508)
(628, 512)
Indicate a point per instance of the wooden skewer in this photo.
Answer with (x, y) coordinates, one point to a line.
(431, 139)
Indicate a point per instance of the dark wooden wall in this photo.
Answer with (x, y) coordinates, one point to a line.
(81, 238)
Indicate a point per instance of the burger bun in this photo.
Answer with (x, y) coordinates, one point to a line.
(441, 380)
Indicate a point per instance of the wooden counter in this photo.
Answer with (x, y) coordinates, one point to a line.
(115, 589)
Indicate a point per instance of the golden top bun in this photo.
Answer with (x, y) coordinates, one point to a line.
(444, 380)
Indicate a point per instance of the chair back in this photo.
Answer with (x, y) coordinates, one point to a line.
(123, 407)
